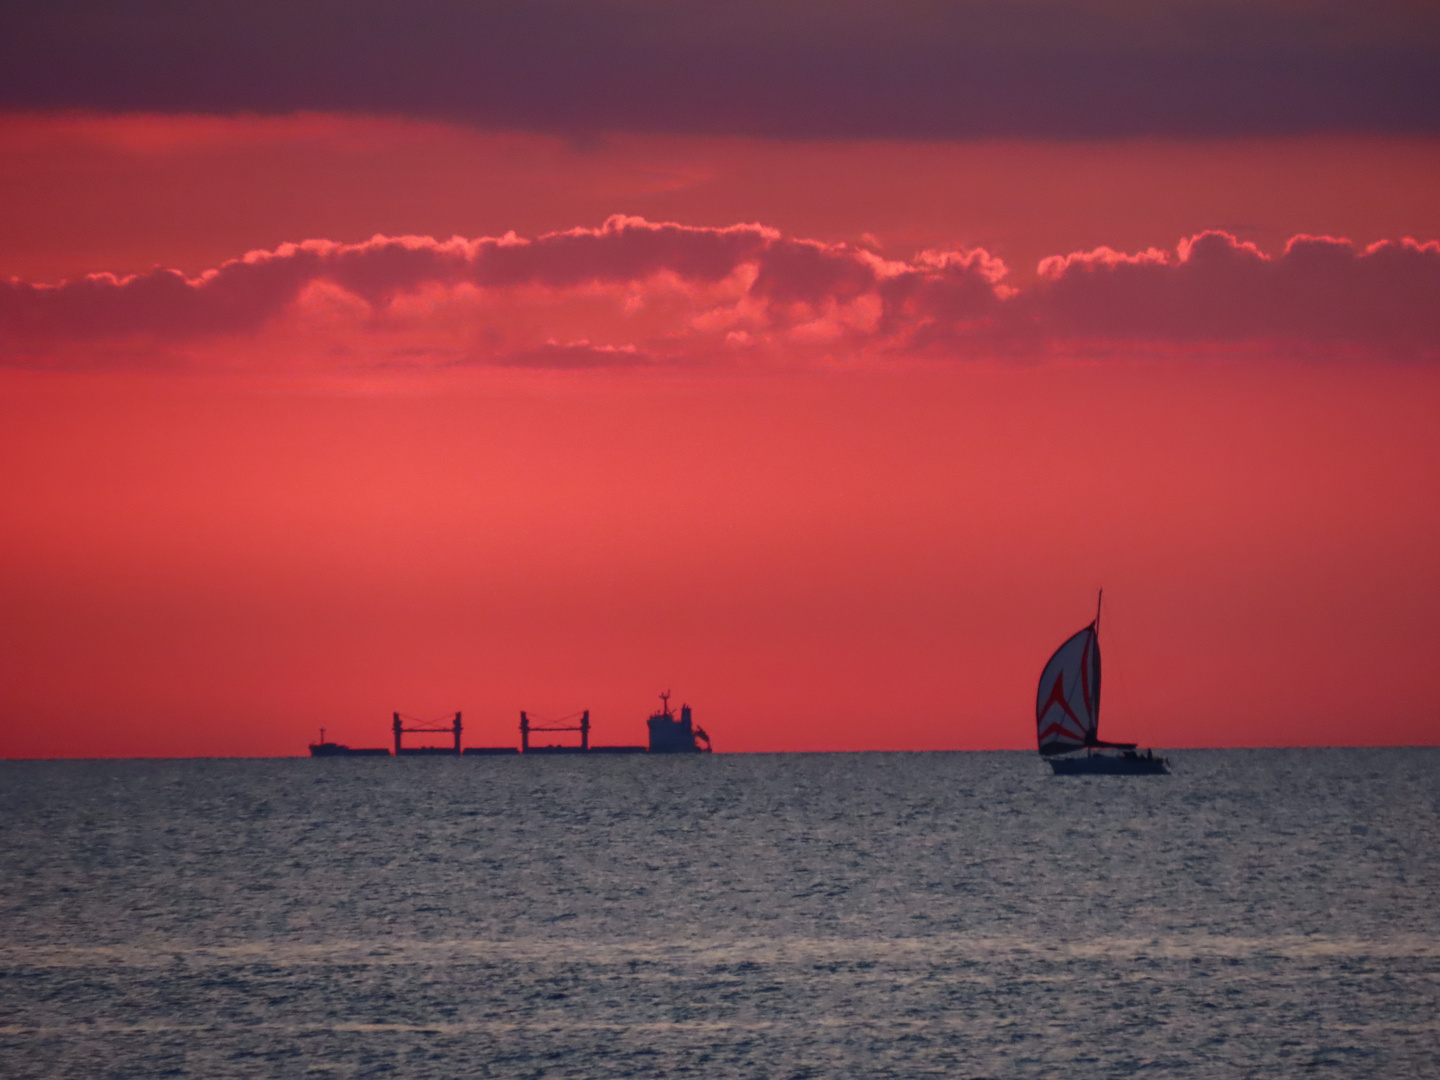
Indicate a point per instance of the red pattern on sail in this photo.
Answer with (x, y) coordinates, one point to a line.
(1076, 727)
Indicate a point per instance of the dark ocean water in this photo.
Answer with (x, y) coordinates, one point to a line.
(1258, 914)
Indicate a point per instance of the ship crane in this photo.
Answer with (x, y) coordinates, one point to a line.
(527, 726)
(421, 727)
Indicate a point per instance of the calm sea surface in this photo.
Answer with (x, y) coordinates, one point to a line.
(1259, 913)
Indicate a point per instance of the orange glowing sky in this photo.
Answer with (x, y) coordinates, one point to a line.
(806, 433)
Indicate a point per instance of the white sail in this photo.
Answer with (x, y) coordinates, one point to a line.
(1067, 706)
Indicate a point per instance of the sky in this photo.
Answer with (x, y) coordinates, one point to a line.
(817, 362)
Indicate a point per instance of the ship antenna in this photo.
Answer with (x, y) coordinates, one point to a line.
(665, 703)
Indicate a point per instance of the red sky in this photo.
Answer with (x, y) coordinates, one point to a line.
(833, 436)
(842, 561)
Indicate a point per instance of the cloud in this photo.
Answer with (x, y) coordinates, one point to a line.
(245, 293)
(575, 355)
(636, 293)
(1214, 288)
(844, 68)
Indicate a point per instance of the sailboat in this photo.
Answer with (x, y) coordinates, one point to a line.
(1067, 713)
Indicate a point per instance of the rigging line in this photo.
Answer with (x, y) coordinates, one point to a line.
(558, 720)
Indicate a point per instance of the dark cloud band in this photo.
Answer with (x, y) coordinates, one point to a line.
(885, 68)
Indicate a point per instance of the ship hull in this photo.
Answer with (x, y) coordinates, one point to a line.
(1110, 765)
(339, 750)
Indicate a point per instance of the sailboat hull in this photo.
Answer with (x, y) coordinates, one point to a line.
(1107, 765)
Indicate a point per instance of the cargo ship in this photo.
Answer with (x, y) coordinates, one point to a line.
(669, 734)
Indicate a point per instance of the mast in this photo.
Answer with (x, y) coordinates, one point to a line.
(1095, 731)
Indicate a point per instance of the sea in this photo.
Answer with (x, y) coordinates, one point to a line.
(1259, 913)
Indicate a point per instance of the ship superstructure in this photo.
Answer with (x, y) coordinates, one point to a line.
(669, 735)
